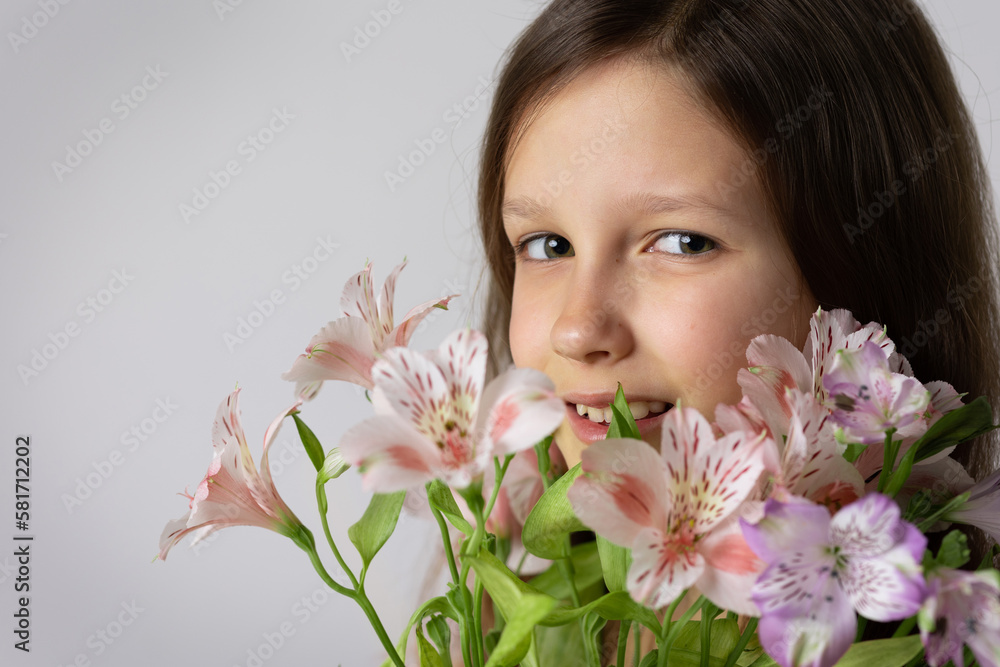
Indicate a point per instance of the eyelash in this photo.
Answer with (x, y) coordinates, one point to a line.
(520, 249)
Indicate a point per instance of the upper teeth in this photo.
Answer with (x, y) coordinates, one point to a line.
(639, 410)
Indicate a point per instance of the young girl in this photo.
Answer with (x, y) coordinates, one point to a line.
(664, 180)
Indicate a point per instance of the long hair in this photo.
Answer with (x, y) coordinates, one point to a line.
(856, 131)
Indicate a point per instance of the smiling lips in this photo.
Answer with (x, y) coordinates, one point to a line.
(590, 422)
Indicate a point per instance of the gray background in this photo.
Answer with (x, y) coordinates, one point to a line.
(162, 337)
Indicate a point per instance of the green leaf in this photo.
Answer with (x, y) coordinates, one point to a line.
(615, 561)
(517, 634)
(725, 636)
(901, 473)
(622, 422)
(440, 634)
(586, 573)
(504, 586)
(954, 551)
(767, 661)
(429, 657)
(521, 605)
(612, 606)
(438, 605)
(552, 519)
(441, 499)
(592, 625)
(957, 426)
(333, 466)
(310, 442)
(894, 652)
(376, 525)
(853, 451)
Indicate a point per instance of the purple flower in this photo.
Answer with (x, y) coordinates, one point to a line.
(820, 570)
(868, 399)
(961, 608)
(982, 509)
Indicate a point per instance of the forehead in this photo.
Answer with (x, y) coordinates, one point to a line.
(621, 130)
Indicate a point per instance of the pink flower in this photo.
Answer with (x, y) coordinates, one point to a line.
(775, 364)
(868, 398)
(346, 348)
(982, 509)
(233, 493)
(676, 509)
(434, 419)
(821, 569)
(961, 608)
(808, 460)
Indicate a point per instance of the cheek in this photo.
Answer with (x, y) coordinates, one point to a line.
(528, 334)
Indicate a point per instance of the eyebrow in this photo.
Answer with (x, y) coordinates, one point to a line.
(640, 202)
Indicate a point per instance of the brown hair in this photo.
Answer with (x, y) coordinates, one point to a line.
(856, 130)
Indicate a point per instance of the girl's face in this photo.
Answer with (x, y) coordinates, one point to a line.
(645, 252)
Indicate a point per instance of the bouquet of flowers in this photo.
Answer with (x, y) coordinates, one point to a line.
(773, 536)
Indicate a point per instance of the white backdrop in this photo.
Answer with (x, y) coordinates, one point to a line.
(172, 167)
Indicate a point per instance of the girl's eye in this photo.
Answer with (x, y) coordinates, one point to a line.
(549, 246)
(683, 243)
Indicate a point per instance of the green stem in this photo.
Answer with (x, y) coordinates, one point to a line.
(453, 568)
(500, 472)
(672, 629)
(363, 601)
(905, 627)
(708, 615)
(476, 642)
(889, 452)
(477, 616)
(737, 651)
(637, 645)
(321, 500)
(446, 538)
(622, 642)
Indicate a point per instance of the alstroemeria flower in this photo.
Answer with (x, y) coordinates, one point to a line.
(434, 419)
(868, 398)
(346, 348)
(820, 570)
(800, 452)
(676, 509)
(774, 364)
(982, 509)
(961, 608)
(233, 493)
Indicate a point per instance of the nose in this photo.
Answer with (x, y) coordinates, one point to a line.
(593, 327)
